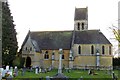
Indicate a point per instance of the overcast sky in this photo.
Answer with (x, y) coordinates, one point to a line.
(46, 15)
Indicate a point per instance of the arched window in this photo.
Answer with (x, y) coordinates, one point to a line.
(92, 49)
(109, 50)
(46, 56)
(26, 48)
(30, 48)
(103, 50)
(82, 26)
(79, 50)
(78, 26)
(62, 56)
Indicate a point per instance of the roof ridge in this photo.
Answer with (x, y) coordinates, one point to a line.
(89, 30)
(94, 30)
(80, 7)
(53, 31)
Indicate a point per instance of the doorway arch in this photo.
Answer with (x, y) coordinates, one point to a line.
(28, 62)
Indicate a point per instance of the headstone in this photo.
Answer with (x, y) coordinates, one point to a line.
(40, 70)
(36, 70)
(31, 69)
(43, 70)
(22, 72)
(113, 76)
(11, 71)
(50, 68)
(81, 78)
(16, 71)
(1, 70)
(7, 68)
(47, 78)
(3, 73)
(89, 72)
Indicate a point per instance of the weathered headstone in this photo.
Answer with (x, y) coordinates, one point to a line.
(47, 78)
(31, 69)
(114, 77)
(50, 68)
(16, 71)
(45, 70)
(40, 70)
(81, 78)
(11, 71)
(23, 71)
(7, 68)
(3, 73)
(36, 70)
(89, 72)
(1, 70)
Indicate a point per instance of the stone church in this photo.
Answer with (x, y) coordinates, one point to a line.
(82, 48)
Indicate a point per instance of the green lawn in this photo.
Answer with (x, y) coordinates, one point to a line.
(72, 74)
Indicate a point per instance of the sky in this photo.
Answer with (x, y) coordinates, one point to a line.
(52, 15)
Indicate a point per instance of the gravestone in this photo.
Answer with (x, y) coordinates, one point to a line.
(31, 69)
(89, 72)
(50, 68)
(40, 70)
(3, 73)
(16, 71)
(47, 78)
(23, 71)
(7, 68)
(36, 70)
(43, 70)
(81, 78)
(1, 70)
(114, 77)
(11, 71)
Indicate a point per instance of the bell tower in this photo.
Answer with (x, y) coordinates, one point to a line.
(81, 19)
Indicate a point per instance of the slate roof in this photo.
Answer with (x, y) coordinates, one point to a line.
(81, 14)
(63, 39)
(52, 39)
(90, 37)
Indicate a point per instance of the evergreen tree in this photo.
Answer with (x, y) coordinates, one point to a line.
(9, 40)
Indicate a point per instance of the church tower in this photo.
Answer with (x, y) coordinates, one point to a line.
(81, 19)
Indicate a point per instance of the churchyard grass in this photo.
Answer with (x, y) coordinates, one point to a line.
(71, 74)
